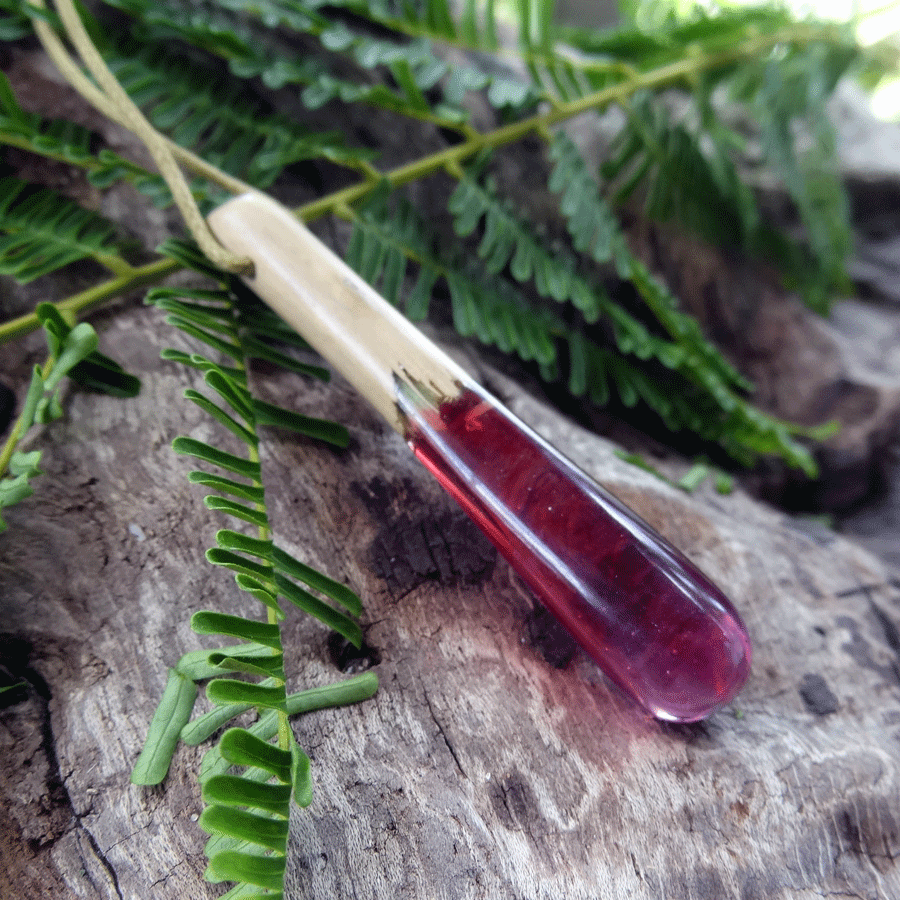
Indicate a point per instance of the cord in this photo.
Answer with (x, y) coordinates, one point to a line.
(110, 98)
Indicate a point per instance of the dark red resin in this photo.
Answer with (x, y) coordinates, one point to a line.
(653, 622)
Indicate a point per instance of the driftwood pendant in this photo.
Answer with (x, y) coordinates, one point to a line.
(649, 618)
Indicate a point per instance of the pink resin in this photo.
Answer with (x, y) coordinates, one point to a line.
(653, 622)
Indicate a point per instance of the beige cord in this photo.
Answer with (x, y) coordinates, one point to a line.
(57, 52)
(113, 102)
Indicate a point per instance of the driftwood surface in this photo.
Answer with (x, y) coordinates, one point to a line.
(487, 766)
(479, 769)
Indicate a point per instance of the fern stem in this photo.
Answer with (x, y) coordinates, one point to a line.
(118, 266)
(78, 304)
(264, 533)
(12, 442)
(19, 429)
(516, 131)
(11, 139)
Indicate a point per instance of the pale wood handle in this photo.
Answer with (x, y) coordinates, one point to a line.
(365, 338)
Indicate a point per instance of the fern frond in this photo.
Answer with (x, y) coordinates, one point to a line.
(412, 64)
(210, 114)
(250, 771)
(43, 232)
(273, 570)
(483, 306)
(70, 143)
(788, 96)
(507, 240)
(687, 174)
(592, 224)
(488, 308)
(191, 99)
(595, 229)
(744, 431)
(708, 401)
(73, 354)
(642, 47)
(474, 29)
(224, 32)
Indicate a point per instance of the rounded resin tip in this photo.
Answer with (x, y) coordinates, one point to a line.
(655, 624)
(693, 670)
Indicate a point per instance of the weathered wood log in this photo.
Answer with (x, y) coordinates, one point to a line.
(479, 769)
(495, 762)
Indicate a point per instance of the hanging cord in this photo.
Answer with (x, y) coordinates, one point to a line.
(71, 71)
(110, 99)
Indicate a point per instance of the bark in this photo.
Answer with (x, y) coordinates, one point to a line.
(479, 770)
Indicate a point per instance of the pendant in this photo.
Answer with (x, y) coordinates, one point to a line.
(655, 624)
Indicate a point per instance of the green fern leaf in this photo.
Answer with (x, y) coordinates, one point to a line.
(263, 667)
(73, 354)
(326, 614)
(171, 716)
(309, 426)
(699, 187)
(489, 309)
(237, 626)
(257, 349)
(251, 892)
(215, 457)
(240, 511)
(300, 775)
(264, 871)
(592, 224)
(196, 665)
(222, 417)
(416, 70)
(71, 143)
(225, 821)
(231, 790)
(204, 727)
(262, 591)
(509, 241)
(799, 85)
(237, 563)
(227, 486)
(208, 113)
(232, 322)
(226, 691)
(242, 543)
(44, 232)
(240, 748)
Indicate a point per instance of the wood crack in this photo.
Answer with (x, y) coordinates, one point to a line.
(101, 857)
(57, 787)
(443, 734)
